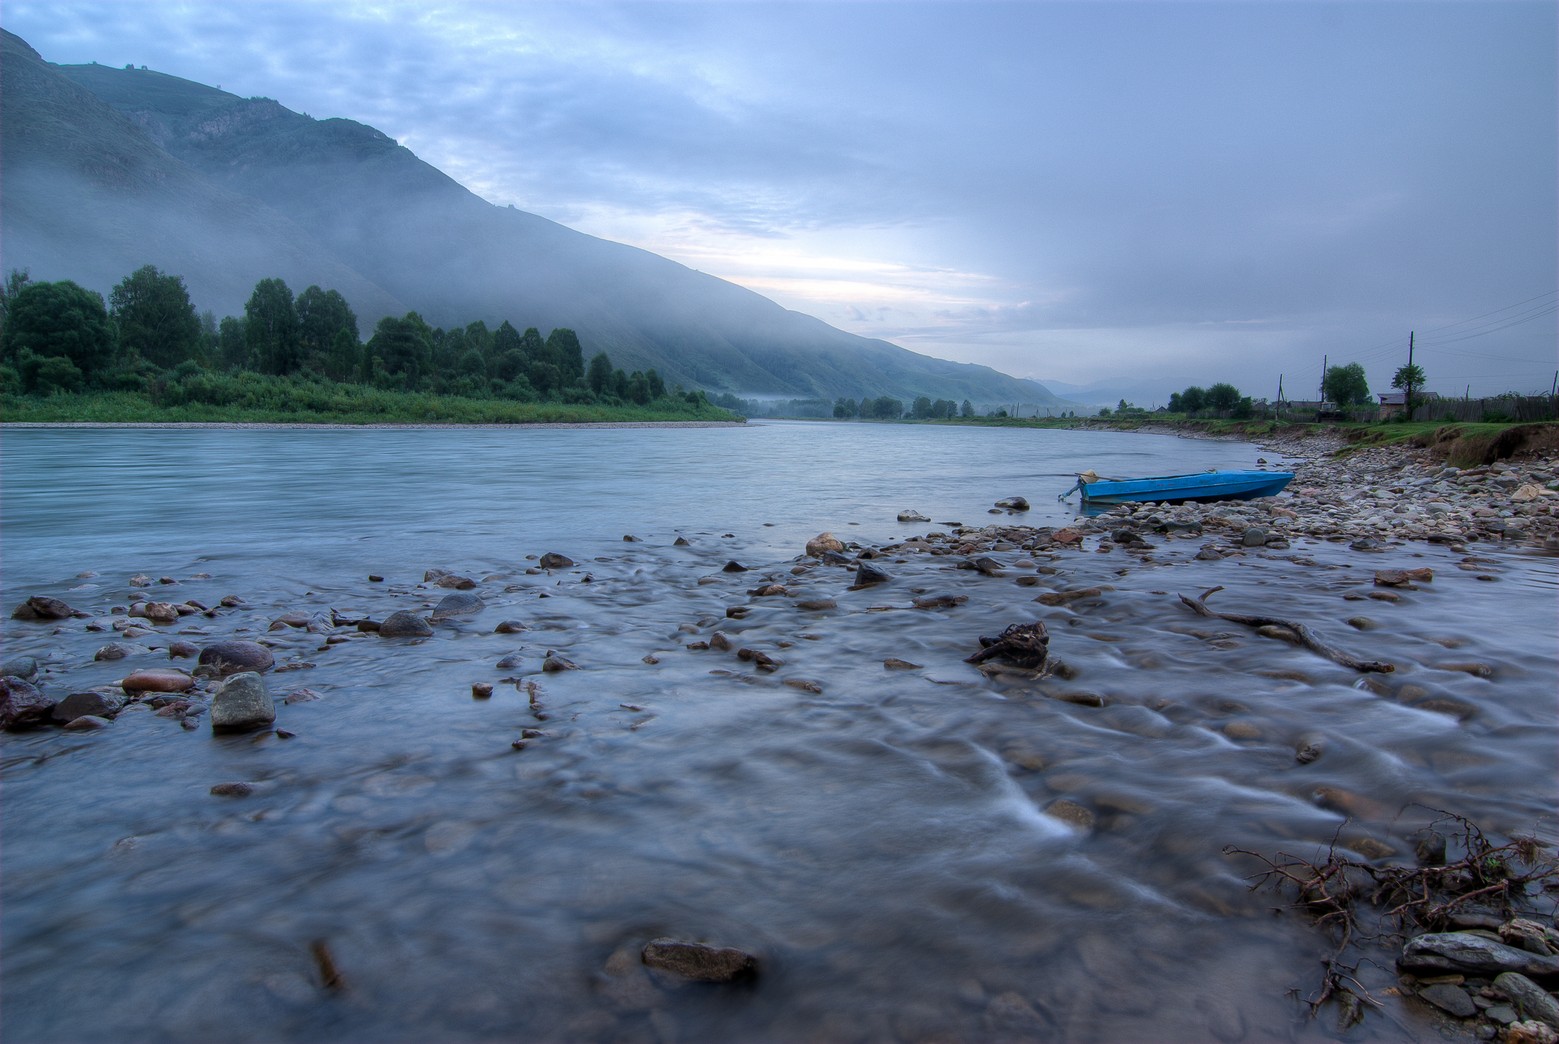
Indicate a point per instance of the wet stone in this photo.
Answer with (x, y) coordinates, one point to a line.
(242, 704)
(404, 624)
(235, 657)
(86, 723)
(553, 560)
(157, 679)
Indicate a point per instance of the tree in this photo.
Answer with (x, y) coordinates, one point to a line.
(403, 347)
(920, 409)
(844, 409)
(323, 315)
(1346, 385)
(966, 410)
(1193, 399)
(564, 352)
(1409, 378)
(885, 407)
(599, 376)
(1222, 397)
(14, 282)
(1175, 403)
(155, 317)
(61, 321)
(657, 386)
(271, 328)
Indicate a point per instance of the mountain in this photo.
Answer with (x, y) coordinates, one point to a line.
(108, 169)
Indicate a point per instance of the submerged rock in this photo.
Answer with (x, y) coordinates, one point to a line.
(867, 575)
(553, 560)
(461, 603)
(98, 704)
(700, 962)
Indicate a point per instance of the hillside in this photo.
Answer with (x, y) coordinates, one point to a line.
(108, 169)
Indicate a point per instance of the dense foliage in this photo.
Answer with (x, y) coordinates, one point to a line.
(1218, 400)
(1346, 385)
(288, 356)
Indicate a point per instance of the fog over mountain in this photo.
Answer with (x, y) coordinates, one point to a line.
(107, 169)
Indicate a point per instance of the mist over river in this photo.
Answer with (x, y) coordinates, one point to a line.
(913, 849)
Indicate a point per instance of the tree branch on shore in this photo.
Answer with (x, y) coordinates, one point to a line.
(1308, 638)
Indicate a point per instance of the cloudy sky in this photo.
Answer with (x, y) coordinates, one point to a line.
(1149, 195)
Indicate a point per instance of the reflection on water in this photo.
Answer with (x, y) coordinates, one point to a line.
(879, 837)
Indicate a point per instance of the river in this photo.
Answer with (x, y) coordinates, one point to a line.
(877, 837)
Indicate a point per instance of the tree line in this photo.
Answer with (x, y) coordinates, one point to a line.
(62, 337)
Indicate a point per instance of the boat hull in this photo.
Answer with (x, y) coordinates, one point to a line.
(1177, 489)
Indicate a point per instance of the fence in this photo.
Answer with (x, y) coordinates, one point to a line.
(1504, 408)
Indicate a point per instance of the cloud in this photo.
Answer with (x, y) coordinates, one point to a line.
(1117, 185)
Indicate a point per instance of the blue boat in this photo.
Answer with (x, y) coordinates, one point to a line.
(1176, 489)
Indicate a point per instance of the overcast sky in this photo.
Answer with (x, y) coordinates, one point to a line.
(1147, 194)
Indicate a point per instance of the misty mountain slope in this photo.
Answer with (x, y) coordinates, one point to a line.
(340, 204)
(88, 196)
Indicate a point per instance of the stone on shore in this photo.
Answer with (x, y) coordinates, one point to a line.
(1471, 954)
(553, 560)
(242, 704)
(1529, 999)
(23, 705)
(910, 516)
(1013, 504)
(404, 624)
(700, 962)
(234, 657)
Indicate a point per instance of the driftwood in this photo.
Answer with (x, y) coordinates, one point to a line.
(1026, 645)
(1308, 638)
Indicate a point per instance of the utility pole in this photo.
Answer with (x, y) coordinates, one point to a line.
(1407, 398)
(1324, 359)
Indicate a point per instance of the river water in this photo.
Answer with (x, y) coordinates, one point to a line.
(877, 837)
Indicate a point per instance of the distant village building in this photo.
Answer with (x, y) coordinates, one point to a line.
(1394, 403)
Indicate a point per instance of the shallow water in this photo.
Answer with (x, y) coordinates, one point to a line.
(878, 837)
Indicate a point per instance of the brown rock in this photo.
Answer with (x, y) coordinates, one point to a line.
(157, 679)
(822, 544)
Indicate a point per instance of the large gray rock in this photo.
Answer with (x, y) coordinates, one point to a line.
(98, 704)
(235, 657)
(1470, 954)
(461, 603)
(22, 706)
(404, 624)
(242, 704)
(700, 962)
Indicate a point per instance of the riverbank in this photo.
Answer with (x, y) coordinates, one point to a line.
(1384, 494)
(380, 425)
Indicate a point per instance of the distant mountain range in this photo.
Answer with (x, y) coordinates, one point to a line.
(107, 169)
